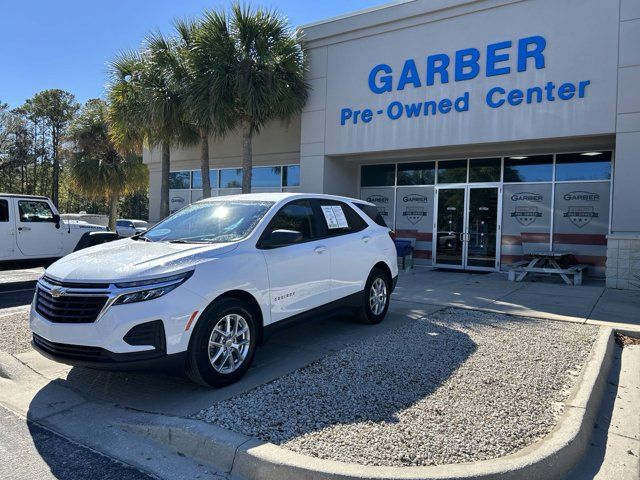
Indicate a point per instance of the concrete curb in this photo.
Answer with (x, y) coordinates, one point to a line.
(549, 458)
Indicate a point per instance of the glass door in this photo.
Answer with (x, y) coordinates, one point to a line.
(467, 227)
(482, 228)
(449, 235)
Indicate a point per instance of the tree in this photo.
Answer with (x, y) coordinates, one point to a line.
(147, 106)
(97, 168)
(254, 74)
(57, 108)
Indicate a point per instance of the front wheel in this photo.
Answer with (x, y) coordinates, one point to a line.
(375, 298)
(223, 344)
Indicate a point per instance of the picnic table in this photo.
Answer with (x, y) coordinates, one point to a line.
(548, 262)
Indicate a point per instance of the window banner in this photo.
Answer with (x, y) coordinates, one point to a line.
(414, 220)
(383, 198)
(526, 220)
(581, 221)
(178, 199)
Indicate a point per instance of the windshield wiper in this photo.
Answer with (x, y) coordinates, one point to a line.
(139, 236)
(181, 240)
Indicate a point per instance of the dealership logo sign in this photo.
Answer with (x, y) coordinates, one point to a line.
(525, 216)
(414, 214)
(414, 197)
(378, 199)
(583, 196)
(526, 197)
(580, 216)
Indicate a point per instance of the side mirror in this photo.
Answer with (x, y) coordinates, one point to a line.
(280, 238)
(56, 218)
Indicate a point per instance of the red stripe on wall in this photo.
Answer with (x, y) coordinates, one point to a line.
(422, 236)
(527, 237)
(579, 239)
(593, 260)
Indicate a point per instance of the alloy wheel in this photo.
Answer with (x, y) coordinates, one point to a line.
(229, 343)
(378, 296)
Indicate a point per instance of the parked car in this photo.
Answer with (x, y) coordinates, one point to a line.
(128, 228)
(203, 288)
(31, 228)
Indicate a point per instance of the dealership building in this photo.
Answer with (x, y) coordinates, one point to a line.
(482, 130)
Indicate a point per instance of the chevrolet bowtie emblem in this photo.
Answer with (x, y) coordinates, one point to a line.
(57, 292)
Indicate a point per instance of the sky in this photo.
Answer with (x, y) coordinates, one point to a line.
(67, 43)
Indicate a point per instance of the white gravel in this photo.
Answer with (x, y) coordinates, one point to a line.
(15, 334)
(456, 387)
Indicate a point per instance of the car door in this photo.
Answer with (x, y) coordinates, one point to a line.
(7, 242)
(37, 232)
(353, 253)
(299, 273)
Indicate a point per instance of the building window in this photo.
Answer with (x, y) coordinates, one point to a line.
(533, 168)
(266, 177)
(452, 171)
(196, 178)
(231, 178)
(583, 166)
(418, 173)
(484, 170)
(179, 180)
(378, 175)
(291, 176)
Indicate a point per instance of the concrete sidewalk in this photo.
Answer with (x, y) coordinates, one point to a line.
(590, 303)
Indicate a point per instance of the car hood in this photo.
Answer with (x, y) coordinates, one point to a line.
(127, 260)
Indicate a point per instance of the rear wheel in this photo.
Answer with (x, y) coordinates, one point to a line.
(223, 344)
(375, 298)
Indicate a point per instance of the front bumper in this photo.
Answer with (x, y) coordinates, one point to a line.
(99, 358)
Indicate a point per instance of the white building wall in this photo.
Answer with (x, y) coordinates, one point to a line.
(623, 249)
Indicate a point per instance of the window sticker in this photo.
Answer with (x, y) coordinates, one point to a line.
(334, 216)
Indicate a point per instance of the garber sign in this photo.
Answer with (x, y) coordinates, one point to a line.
(466, 64)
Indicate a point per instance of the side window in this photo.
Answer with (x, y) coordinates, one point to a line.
(120, 223)
(34, 211)
(4, 211)
(373, 213)
(340, 218)
(297, 216)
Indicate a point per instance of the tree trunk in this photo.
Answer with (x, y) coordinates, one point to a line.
(247, 160)
(113, 210)
(55, 179)
(204, 164)
(164, 181)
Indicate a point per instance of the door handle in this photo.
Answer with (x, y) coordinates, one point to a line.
(320, 249)
(26, 229)
(366, 238)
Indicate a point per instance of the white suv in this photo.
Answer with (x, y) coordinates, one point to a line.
(204, 287)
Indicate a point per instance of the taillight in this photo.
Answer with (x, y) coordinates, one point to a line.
(392, 234)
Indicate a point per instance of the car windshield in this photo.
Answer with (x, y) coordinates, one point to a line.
(209, 222)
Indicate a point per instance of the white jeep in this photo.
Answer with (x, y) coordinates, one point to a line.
(31, 228)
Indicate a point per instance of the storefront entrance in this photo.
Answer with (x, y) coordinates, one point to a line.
(467, 227)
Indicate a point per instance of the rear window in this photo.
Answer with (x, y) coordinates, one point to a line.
(340, 218)
(373, 213)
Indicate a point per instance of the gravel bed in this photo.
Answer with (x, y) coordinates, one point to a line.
(458, 386)
(15, 334)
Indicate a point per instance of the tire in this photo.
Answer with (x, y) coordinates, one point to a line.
(371, 312)
(230, 360)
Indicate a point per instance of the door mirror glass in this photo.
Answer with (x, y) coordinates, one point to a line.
(281, 238)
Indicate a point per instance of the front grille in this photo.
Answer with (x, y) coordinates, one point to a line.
(69, 308)
(76, 352)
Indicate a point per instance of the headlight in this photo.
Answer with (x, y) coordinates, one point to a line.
(158, 287)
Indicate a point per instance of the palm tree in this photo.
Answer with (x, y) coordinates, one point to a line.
(97, 168)
(147, 105)
(255, 73)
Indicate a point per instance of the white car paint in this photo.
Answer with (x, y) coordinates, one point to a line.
(30, 228)
(284, 281)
